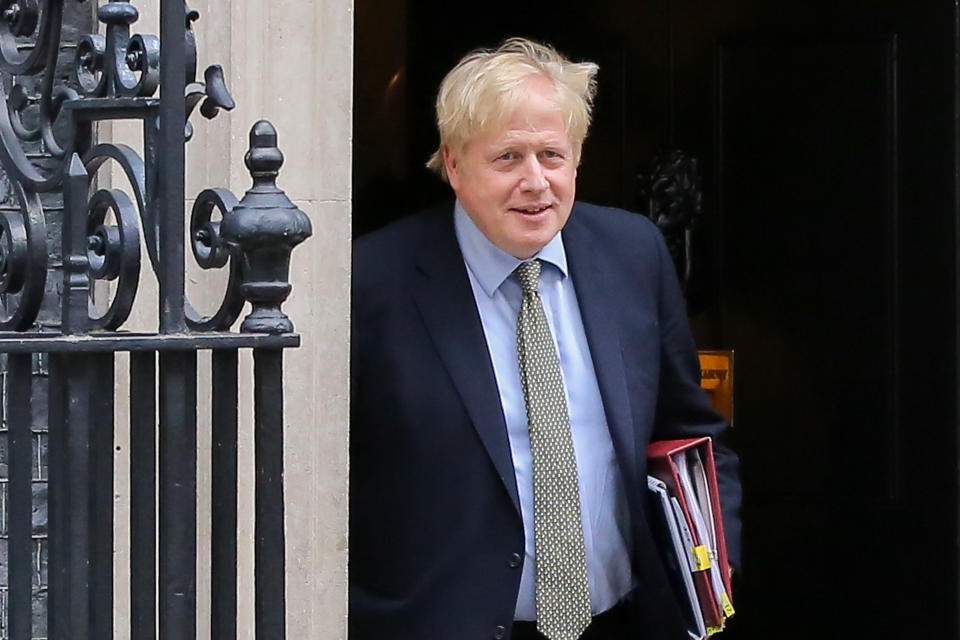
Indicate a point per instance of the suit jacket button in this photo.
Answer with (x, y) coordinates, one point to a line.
(515, 560)
(500, 632)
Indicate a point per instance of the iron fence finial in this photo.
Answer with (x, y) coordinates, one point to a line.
(265, 226)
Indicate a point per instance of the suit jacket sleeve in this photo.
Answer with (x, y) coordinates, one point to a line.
(683, 409)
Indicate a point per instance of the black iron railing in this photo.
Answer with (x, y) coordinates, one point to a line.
(115, 76)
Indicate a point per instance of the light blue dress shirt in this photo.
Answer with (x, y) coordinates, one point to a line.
(603, 504)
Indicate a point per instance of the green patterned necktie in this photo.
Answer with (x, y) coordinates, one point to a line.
(563, 594)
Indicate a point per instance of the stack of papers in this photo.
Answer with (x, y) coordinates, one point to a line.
(683, 485)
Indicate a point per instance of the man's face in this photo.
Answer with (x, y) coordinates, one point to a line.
(517, 181)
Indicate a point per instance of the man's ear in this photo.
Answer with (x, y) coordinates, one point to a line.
(452, 167)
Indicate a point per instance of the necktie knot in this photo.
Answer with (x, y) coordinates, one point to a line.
(528, 273)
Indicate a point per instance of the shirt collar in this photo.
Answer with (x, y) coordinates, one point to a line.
(490, 264)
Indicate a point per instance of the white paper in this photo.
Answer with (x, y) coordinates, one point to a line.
(682, 548)
(705, 500)
(699, 525)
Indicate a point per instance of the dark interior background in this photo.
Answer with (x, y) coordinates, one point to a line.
(826, 258)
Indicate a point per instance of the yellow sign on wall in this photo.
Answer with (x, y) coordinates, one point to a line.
(716, 377)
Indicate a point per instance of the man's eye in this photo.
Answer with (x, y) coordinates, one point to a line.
(509, 155)
(553, 155)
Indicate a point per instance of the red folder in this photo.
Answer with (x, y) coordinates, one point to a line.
(661, 456)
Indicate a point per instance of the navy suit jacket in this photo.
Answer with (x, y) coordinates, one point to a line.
(436, 539)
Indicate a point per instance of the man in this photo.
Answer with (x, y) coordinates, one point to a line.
(514, 353)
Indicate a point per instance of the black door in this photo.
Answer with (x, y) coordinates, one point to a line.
(826, 257)
(829, 144)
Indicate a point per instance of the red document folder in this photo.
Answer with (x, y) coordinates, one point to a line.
(662, 460)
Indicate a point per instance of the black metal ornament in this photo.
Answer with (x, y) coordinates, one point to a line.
(115, 76)
(47, 146)
(672, 197)
(265, 226)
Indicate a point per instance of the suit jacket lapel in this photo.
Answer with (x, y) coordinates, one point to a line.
(595, 281)
(445, 300)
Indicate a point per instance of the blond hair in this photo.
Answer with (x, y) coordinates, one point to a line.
(485, 88)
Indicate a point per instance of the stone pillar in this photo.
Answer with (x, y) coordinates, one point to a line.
(291, 62)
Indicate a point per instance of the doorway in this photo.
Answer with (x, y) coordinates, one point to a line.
(826, 257)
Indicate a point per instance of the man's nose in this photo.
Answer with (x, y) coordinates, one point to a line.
(534, 177)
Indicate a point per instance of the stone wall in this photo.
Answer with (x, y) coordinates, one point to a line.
(291, 62)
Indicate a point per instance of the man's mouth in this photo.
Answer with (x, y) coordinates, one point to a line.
(531, 209)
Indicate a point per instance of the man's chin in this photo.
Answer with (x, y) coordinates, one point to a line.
(531, 245)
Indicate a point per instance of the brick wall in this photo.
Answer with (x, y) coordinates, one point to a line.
(78, 20)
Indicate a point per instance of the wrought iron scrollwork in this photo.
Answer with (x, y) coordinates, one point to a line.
(23, 262)
(116, 74)
(135, 172)
(19, 19)
(116, 64)
(113, 252)
(46, 147)
(211, 94)
(42, 22)
(211, 252)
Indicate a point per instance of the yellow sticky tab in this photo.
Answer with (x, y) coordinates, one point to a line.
(726, 604)
(701, 557)
(713, 630)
